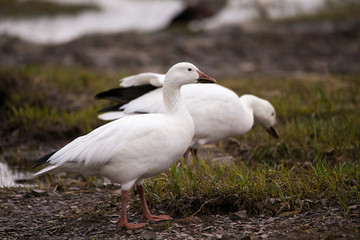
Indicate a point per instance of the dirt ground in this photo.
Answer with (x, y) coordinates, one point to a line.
(73, 209)
(93, 214)
(286, 50)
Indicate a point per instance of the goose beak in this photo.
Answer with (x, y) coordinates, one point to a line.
(203, 78)
(273, 132)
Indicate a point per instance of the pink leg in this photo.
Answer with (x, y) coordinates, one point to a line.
(123, 215)
(146, 213)
(186, 155)
(193, 153)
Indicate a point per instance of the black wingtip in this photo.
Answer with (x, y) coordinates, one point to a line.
(125, 95)
(44, 159)
(112, 94)
(111, 108)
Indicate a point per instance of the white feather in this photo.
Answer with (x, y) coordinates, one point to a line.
(218, 112)
(154, 79)
(130, 149)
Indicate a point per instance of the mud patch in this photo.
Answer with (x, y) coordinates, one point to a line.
(92, 213)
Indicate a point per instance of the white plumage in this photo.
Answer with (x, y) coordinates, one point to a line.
(218, 112)
(131, 149)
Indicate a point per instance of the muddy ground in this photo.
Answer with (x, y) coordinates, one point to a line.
(285, 50)
(93, 214)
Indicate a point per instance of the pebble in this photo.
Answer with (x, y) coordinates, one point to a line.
(148, 235)
(208, 235)
(240, 215)
(249, 237)
(207, 228)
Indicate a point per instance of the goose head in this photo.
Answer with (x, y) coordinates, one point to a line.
(186, 73)
(265, 115)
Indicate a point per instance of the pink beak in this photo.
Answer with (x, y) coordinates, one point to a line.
(203, 78)
(273, 131)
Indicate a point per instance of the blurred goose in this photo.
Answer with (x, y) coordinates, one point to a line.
(227, 115)
(131, 149)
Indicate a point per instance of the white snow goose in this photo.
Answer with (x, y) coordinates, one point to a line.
(131, 149)
(227, 115)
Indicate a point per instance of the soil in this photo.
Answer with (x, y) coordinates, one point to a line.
(93, 214)
(272, 50)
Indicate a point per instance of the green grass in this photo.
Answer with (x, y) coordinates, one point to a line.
(317, 117)
(258, 184)
(316, 159)
(40, 102)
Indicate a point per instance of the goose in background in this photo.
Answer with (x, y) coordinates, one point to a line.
(217, 112)
(129, 150)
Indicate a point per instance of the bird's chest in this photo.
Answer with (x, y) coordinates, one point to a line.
(161, 157)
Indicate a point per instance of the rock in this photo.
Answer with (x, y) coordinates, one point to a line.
(207, 228)
(148, 235)
(240, 215)
(353, 207)
(208, 235)
(38, 192)
(219, 236)
(35, 193)
(249, 237)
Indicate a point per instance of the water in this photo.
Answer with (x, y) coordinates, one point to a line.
(143, 16)
(115, 16)
(9, 177)
(245, 11)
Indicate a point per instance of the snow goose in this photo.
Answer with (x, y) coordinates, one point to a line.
(131, 149)
(227, 115)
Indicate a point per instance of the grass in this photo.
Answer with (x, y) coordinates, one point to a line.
(258, 187)
(333, 10)
(49, 100)
(35, 8)
(318, 116)
(315, 161)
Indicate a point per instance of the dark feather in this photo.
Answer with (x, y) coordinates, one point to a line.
(125, 95)
(111, 108)
(44, 159)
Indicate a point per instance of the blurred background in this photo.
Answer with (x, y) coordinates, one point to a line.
(232, 38)
(55, 55)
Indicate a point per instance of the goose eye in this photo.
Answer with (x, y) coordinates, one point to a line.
(189, 69)
(272, 114)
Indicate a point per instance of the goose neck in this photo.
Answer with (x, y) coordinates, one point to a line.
(172, 98)
(249, 101)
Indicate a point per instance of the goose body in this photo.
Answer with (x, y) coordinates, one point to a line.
(129, 150)
(106, 150)
(218, 112)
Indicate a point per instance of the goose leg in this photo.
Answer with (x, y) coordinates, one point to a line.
(194, 153)
(146, 213)
(186, 155)
(123, 215)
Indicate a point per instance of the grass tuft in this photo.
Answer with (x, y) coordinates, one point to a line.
(315, 161)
